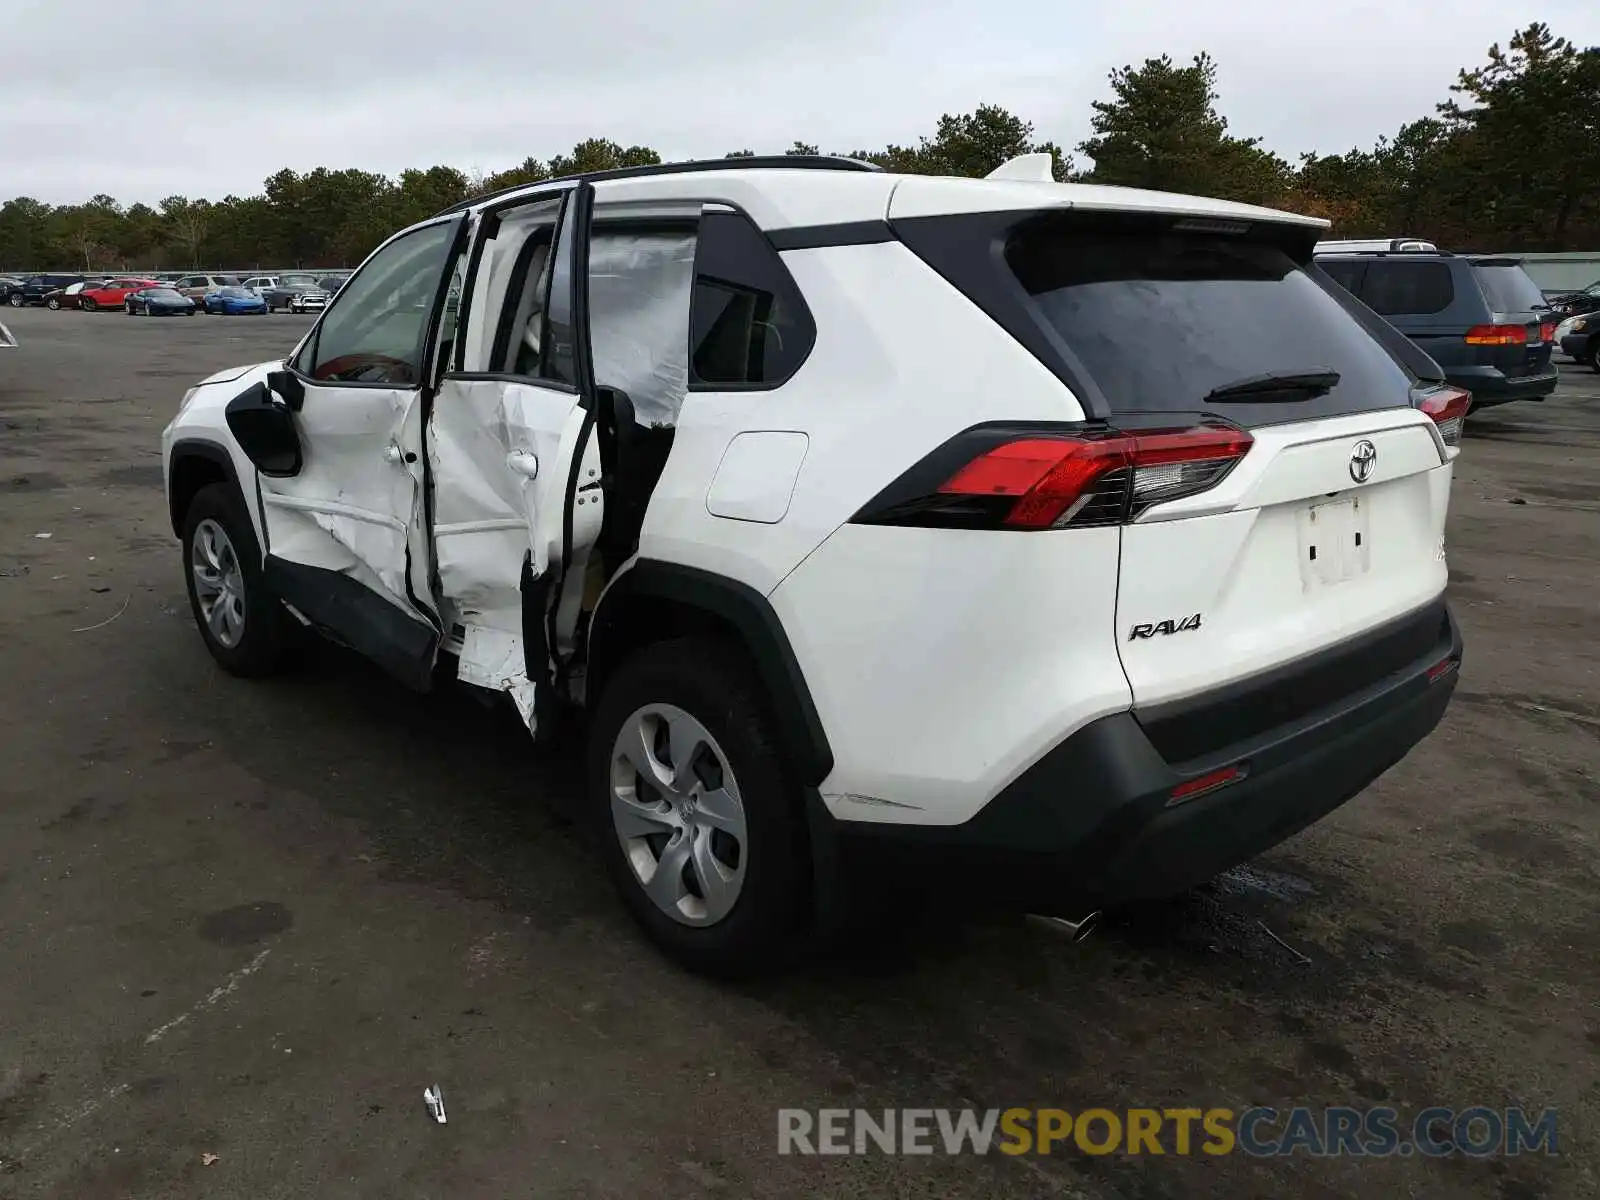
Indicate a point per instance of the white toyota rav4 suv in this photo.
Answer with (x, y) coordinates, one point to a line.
(1050, 544)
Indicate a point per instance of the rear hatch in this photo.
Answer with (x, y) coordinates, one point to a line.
(1520, 332)
(1328, 526)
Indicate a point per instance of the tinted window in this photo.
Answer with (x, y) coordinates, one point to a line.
(373, 332)
(1345, 272)
(237, 293)
(1158, 319)
(1394, 287)
(1509, 289)
(749, 325)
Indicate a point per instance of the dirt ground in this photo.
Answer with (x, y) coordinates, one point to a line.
(255, 921)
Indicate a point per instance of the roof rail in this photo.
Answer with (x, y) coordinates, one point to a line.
(748, 162)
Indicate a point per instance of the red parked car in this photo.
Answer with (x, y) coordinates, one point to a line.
(112, 293)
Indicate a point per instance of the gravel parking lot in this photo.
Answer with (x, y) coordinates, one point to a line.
(254, 921)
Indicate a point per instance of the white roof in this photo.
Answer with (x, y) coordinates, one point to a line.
(938, 195)
(777, 198)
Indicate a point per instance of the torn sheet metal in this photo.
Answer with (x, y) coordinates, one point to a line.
(492, 659)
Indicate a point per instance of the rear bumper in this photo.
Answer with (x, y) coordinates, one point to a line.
(1490, 386)
(1090, 824)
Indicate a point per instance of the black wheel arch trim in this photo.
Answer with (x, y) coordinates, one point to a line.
(204, 448)
(761, 631)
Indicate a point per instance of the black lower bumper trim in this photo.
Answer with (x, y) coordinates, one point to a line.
(1093, 823)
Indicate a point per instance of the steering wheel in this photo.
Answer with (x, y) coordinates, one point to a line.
(366, 367)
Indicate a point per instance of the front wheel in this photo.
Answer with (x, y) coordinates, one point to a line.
(89, 305)
(129, 309)
(15, 299)
(239, 618)
(1592, 354)
(52, 304)
(702, 827)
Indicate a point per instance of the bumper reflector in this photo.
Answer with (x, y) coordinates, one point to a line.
(1190, 789)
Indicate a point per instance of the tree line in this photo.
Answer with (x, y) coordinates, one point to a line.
(1510, 160)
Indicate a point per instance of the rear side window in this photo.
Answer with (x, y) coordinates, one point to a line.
(749, 326)
(1344, 272)
(1159, 318)
(1394, 287)
(1508, 288)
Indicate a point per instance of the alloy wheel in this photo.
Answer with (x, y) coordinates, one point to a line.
(677, 811)
(218, 582)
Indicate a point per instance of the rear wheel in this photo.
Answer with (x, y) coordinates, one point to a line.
(53, 303)
(89, 305)
(702, 828)
(239, 618)
(16, 299)
(1592, 354)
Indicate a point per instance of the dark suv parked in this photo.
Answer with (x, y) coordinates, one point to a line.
(32, 288)
(1481, 318)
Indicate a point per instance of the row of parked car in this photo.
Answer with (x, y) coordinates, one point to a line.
(229, 294)
(1481, 317)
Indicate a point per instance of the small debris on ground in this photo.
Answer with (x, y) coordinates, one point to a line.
(100, 591)
(108, 620)
(12, 572)
(434, 1099)
(208, 1159)
(44, 536)
(1304, 960)
(1518, 500)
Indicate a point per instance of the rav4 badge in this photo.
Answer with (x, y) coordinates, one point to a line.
(1182, 625)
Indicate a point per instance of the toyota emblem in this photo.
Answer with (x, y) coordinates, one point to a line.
(1362, 459)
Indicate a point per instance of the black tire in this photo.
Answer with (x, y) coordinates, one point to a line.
(190, 313)
(713, 683)
(15, 299)
(129, 308)
(90, 305)
(263, 646)
(53, 304)
(1592, 354)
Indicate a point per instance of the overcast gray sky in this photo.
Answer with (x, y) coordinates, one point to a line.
(206, 97)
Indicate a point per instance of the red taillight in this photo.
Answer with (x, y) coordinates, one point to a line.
(1497, 335)
(1448, 408)
(1099, 480)
(1547, 331)
(1191, 789)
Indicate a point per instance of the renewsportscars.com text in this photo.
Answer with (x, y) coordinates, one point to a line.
(1475, 1132)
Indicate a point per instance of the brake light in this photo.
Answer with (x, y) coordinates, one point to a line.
(1448, 407)
(1497, 335)
(1547, 331)
(994, 478)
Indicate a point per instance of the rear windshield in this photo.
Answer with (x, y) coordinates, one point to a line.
(1158, 319)
(1509, 288)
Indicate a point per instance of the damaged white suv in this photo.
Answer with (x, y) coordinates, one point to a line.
(1063, 544)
